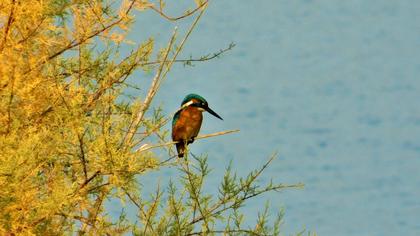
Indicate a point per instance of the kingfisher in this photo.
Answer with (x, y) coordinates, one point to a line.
(187, 121)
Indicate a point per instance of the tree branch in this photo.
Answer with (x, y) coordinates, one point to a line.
(189, 13)
(82, 154)
(228, 232)
(146, 147)
(201, 59)
(8, 25)
(89, 179)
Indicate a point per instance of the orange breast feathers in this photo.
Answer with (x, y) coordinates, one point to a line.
(188, 125)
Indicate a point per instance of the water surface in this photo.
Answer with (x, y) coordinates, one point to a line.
(332, 85)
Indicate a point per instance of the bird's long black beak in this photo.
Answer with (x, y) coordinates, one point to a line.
(212, 112)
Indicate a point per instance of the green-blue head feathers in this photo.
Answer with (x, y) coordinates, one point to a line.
(193, 96)
(202, 103)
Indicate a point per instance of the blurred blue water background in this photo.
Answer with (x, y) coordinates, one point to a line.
(332, 85)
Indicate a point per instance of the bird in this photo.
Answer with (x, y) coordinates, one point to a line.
(187, 121)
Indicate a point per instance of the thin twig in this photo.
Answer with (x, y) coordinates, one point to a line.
(167, 160)
(189, 13)
(201, 59)
(98, 187)
(93, 216)
(89, 179)
(153, 130)
(194, 194)
(228, 232)
(33, 32)
(151, 209)
(181, 46)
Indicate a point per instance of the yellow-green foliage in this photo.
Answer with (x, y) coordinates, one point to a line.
(61, 127)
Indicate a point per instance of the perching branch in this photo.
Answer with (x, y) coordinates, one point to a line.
(148, 147)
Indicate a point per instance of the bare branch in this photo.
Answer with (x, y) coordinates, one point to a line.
(201, 59)
(181, 46)
(189, 13)
(228, 232)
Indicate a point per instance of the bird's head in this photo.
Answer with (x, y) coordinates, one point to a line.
(198, 101)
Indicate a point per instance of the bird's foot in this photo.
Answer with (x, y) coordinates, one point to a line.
(191, 140)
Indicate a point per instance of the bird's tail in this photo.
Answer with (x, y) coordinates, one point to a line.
(180, 147)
